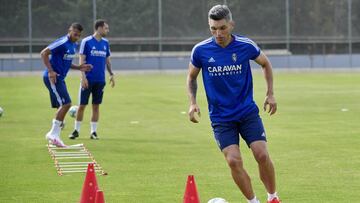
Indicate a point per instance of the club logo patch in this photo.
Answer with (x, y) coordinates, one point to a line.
(234, 57)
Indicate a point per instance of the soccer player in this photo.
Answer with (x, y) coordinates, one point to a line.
(62, 52)
(224, 62)
(95, 50)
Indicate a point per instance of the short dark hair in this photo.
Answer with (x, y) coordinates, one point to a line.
(77, 26)
(220, 12)
(99, 23)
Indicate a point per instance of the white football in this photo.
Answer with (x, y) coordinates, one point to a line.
(217, 200)
(1, 111)
(73, 111)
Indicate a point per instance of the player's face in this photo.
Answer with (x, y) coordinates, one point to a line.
(104, 30)
(221, 31)
(75, 34)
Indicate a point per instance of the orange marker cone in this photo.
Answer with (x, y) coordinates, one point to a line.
(191, 195)
(99, 197)
(90, 186)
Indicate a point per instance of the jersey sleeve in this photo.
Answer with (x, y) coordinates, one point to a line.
(82, 47)
(56, 47)
(254, 50)
(108, 52)
(195, 58)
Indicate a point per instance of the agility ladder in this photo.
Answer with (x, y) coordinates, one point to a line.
(73, 159)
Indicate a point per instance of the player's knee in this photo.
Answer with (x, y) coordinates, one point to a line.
(66, 106)
(234, 162)
(262, 157)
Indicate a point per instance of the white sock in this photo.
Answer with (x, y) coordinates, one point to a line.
(55, 128)
(254, 200)
(77, 125)
(93, 126)
(272, 196)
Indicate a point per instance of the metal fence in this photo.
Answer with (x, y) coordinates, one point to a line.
(297, 27)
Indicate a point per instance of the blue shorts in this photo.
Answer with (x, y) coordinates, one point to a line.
(58, 92)
(250, 129)
(96, 89)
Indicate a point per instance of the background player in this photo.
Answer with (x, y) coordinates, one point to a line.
(62, 52)
(94, 50)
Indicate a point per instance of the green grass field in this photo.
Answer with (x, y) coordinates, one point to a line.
(313, 141)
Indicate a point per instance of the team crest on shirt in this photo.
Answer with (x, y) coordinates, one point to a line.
(234, 57)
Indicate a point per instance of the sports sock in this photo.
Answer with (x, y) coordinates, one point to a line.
(93, 126)
(272, 196)
(55, 128)
(77, 125)
(254, 200)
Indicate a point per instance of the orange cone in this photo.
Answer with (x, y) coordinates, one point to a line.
(99, 197)
(90, 186)
(191, 195)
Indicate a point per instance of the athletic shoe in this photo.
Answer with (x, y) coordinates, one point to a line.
(49, 136)
(94, 136)
(275, 200)
(74, 135)
(55, 140)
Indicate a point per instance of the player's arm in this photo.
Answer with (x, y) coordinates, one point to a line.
(82, 59)
(45, 53)
(82, 67)
(192, 90)
(108, 67)
(270, 101)
(84, 81)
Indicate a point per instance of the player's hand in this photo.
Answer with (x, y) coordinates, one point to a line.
(52, 76)
(270, 104)
(112, 80)
(193, 110)
(85, 67)
(84, 83)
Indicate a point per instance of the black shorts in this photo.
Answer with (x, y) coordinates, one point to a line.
(96, 89)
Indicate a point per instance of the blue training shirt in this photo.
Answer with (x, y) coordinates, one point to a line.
(62, 54)
(96, 53)
(227, 77)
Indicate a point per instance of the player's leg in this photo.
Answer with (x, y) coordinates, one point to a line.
(84, 95)
(97, 96)
(59, 99)
(61, 113)
(80, 113)
(266, 167)
(54, 104)
(239, 174)
(94, 121)
(95, 113)
(62, 94)
(227, 137)
(62, 125)
(77, 123)
(252, 131)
